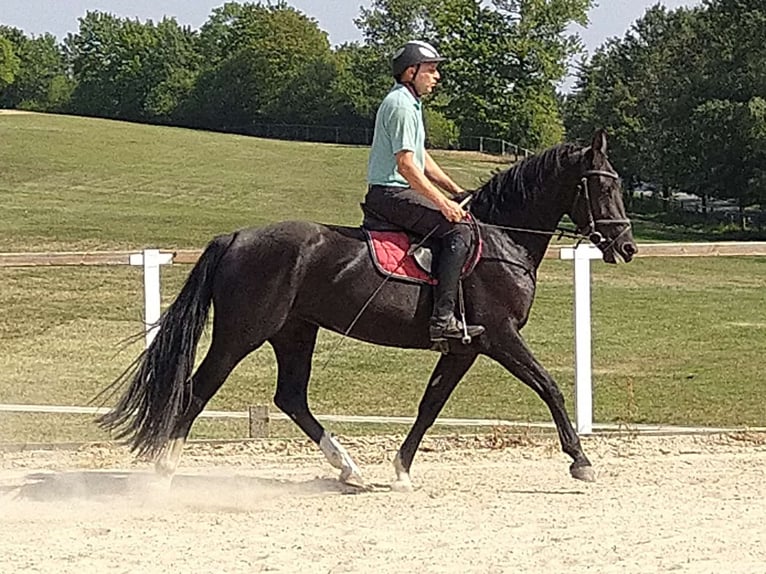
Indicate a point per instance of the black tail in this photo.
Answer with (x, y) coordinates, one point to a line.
(160, 387)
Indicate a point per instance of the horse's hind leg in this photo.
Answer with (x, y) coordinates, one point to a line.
(447, 374)
(294, 347)
(210, 375)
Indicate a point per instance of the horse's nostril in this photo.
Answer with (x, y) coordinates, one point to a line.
(631, 249)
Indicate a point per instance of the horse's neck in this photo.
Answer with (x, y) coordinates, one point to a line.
(533, 225)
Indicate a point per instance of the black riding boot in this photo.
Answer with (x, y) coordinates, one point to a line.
(444, 324)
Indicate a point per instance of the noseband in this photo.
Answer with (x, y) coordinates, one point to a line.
(583, 192)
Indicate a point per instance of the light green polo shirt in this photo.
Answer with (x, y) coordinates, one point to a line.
(398, 126)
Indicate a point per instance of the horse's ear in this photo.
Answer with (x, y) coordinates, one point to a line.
(599, 141)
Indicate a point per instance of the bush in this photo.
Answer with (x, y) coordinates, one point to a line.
(441, 133)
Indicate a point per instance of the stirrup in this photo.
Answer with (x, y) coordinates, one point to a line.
(455, 329)
(441, 336)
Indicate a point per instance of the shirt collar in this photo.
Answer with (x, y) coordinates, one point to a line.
(409, 93)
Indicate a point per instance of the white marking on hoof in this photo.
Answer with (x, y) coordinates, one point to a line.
(158, 487)
(167, 463)
(402, 482)
(339, 458)
(351, 478)
(402, 486)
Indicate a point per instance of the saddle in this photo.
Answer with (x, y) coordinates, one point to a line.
(404, 256)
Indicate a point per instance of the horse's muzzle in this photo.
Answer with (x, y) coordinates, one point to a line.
(621, 251)
(628, 250)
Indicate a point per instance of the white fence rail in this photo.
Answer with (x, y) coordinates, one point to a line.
(259, 418)
(363, 419)
(152, 259)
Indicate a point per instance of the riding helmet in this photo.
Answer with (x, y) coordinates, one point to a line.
(413, 53)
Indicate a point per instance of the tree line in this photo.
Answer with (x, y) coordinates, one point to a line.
(683, 94)
(264, 63)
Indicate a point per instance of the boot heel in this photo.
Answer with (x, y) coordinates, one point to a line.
(441, 346)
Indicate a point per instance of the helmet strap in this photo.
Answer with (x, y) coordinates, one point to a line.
(411, 85)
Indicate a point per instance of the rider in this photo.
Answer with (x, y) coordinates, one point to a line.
(403, 178)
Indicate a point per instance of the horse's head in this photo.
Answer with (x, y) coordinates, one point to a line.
(598, 209)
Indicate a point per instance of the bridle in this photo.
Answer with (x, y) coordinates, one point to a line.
(583, 192)
(588, 231)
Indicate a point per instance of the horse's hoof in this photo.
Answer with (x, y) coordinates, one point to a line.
(352, 478)
(584, 473)
(157, 487)
(402, 486)
(163, 470)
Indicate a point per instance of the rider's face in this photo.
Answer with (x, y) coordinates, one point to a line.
(426, 78)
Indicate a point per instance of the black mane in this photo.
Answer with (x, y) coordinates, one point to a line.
(509, 190)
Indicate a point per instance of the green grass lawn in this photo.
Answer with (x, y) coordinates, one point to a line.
(675, 340)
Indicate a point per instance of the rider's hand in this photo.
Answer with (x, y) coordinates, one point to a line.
(452, 211)
(460, 196)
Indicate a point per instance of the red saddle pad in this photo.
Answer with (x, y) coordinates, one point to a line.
(388, 250)
(389, 253)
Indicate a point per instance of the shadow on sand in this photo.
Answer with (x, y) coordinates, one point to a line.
(195, 489)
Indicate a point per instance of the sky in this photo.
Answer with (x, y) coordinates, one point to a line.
(336, 17)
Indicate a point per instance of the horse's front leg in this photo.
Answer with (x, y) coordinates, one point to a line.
(447, 374)
(509, 349)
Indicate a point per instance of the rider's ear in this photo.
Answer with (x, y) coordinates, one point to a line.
(599, 141)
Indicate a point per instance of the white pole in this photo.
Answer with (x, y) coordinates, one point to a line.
(151, 259)
(151, 292)
(582, 255)
(583, 382)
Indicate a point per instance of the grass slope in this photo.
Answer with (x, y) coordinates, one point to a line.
(675, 340)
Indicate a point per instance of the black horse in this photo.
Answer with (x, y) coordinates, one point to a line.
(281, 283)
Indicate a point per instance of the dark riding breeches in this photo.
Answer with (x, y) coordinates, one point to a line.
(405, 207)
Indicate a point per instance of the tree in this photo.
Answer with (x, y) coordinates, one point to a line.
(9, 63)
(734, 157)
(229, 96)
(505, 59)
(314, 96)
(603, 99)
(363, 80)
(683, 93)
(131, 70)
(632, 87)
(40, 81)
(253, 53)
(388, 24)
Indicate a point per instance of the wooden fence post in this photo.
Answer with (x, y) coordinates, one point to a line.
(258, 416)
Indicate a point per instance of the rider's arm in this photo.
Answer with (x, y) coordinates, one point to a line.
(422, 184)
(437, 176)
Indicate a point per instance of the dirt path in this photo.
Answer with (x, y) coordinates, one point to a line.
(682, 504)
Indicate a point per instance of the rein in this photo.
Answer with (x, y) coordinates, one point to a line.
(559, 231)
(590, 234)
